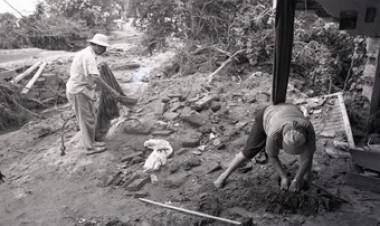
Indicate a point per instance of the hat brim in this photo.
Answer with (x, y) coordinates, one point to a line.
(293, 149)
(99, 43)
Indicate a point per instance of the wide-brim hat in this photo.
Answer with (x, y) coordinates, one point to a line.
(294, 141)
(100, 39)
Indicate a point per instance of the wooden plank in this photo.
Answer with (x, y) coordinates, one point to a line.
(34, 79)
(363, 182)
(366, 159)
(25, 73)
(346, 121)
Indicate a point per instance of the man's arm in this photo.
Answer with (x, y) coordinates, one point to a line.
(306, 161)
(100, 82)
(273, 151)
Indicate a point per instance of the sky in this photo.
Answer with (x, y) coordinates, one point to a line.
(26, 7)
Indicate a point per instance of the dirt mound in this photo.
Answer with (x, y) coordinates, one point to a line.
(262, 193)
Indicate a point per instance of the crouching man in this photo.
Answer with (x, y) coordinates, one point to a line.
(80, 90)
(282, 126)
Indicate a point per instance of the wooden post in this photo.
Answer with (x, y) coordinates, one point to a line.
(346, 121)
(34, 79)
(25, 73)
(285, 11)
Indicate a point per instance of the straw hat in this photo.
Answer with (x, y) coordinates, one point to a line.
(100, 39)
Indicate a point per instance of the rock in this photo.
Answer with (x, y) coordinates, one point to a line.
(191, 163)
(262, 97)
(162, 132)
(131, 156)
(192, 140)
(175, 106)
(175, 181)
(133, 127)
(165, 100)
(182, 151)
(170, 116)
(247, 167)
(195, 119)
(215, 106)
(204, 103)
(160, 108)
(213, 167)
(176, 95)
(196, 152)
(138, 184)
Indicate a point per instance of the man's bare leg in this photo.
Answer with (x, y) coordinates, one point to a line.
(236, 162)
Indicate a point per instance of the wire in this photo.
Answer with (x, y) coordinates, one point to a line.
(13, 8)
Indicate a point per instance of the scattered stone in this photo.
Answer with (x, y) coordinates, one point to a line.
(176, 95)
(182, 151)
(240, 125)
(191, 163)
(165, 100)
(215, 106)
(213, 167)
(170, 116)
(137, 160)
(175, 181)
(137, 184)
(195, 119)
(192, 140)
(133, 127)
(204, 103)
(175, 106)
(154, 178)
(202, 148)
(162, 132)
(262, 97)
(246, 168)
(160, 108)
(116, 179)
(131, 156)
(174, 167)
(216, 142)
(196, 152)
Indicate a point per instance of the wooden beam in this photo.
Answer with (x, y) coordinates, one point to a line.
(25, 73)
(346, 121)
(34, 79)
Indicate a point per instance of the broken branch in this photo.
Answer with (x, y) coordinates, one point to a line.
(25, 73)
(34, 79)
(229, 60)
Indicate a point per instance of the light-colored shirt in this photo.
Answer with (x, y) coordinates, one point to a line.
(274, 119)
(83, 65)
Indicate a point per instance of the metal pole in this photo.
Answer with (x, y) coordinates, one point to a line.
(191, 212)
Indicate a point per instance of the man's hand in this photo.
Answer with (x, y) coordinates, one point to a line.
(284, 183)
(296, 185)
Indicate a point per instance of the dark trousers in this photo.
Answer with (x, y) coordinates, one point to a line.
(257, 137)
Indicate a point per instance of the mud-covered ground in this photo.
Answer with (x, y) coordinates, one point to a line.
(44, 188)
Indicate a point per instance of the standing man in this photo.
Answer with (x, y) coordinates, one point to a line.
(80, 90)
(276, 127)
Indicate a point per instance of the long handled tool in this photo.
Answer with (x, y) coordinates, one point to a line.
(191, 212)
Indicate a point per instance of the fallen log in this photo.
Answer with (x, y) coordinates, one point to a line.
(34, 79)
(191, 212)
(229, 60)
(25, 73)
